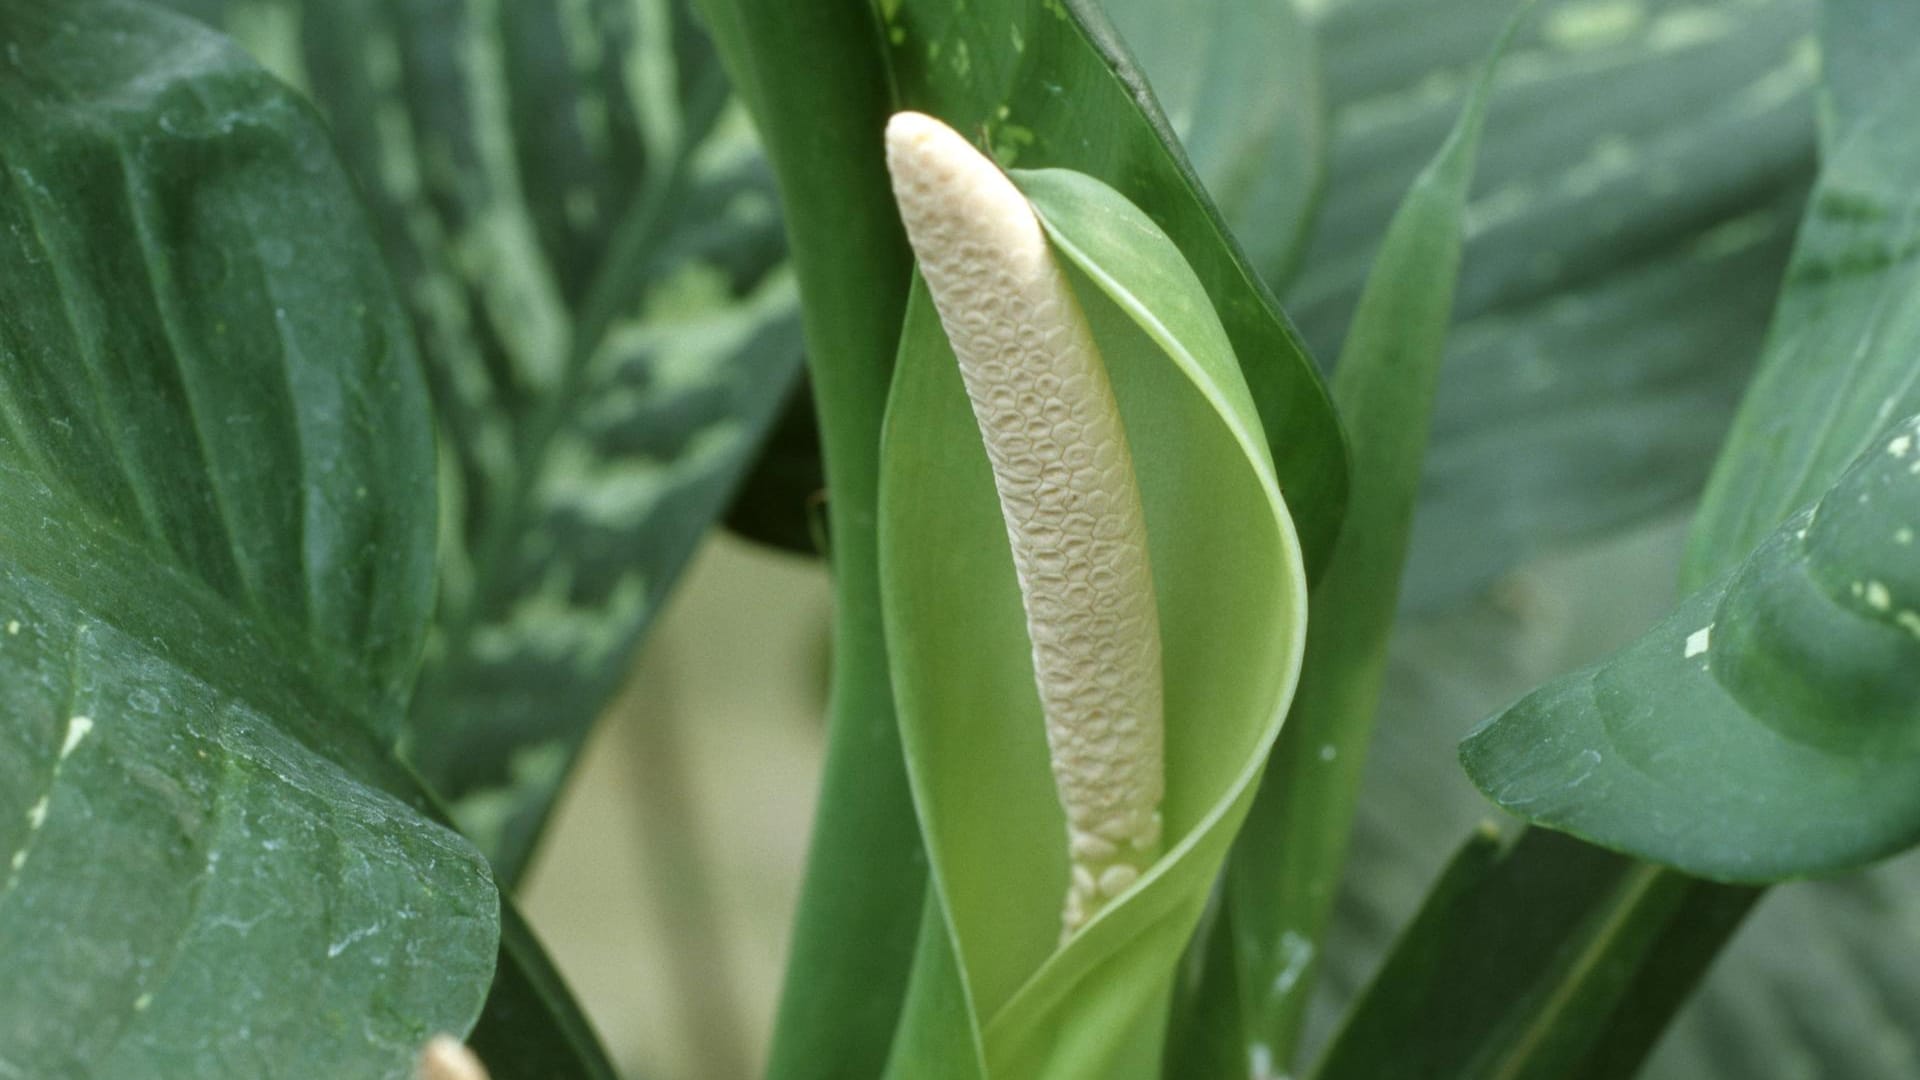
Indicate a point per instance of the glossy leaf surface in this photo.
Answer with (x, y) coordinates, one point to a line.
(1230, 586)
(216, 569)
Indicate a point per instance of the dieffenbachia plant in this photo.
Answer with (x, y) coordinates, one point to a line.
(587, 248)
(216, 570)
(1018, 585)
(1793, 666)
(1744, 767)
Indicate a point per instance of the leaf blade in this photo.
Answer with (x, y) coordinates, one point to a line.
(207, 662)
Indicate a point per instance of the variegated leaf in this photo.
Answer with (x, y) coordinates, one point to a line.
(1643, 172)
(589, 244)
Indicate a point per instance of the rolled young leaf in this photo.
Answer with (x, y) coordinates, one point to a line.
(1230, 592)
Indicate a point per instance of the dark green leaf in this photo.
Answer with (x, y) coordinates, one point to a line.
(1547, 984)
(1622, 255)
(1447, 672)
(1819, 980)
(1240, 85)
(1811, 685)
(588, 244)
(1840, 353)
(1797, 676)
(215, 569)
(1634, 1011)
(1066, 94)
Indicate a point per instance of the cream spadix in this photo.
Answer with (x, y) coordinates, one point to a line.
(1065, 480)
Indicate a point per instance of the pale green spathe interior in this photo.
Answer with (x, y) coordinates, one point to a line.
(1231, 593)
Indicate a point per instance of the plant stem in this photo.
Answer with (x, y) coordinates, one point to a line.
(814, 75)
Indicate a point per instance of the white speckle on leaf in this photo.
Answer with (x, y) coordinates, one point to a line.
(37, 813)
(1299, 953)
(1899, 445)
(1698, 641)
(13, 627)
(1903, 535)
(336, 948)
(77, 729)
(1877, 596)
(140, 1003)
(1910, 620)
(1328, 752)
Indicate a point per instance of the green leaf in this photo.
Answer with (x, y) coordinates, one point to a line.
(1806, 710)
(1240, 86)
(1796, 675)
(1231, 589)
(1592, 978)
(1547, 989)
(1818, 980)
(1839, 361)
(588, 244)
(1065, 94)
(1621, 260)
(1631, 1013)
(1280, 886)
(215, 575)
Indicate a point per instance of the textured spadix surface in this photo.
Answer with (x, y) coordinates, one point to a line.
(1061, 467)
(996, 992)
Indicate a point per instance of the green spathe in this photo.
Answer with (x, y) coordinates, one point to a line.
(1231, 591)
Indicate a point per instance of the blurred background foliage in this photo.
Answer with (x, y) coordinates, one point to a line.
(591, 250)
